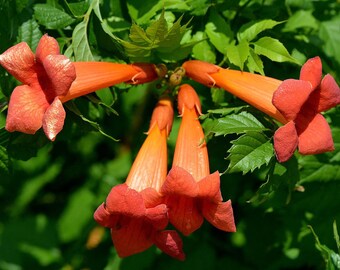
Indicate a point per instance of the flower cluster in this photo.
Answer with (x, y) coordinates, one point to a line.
(139, 211)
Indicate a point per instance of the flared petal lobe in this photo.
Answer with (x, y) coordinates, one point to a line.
(26, 110)
(311, 72)
(47, 46)
(328, 94)
(53, 120)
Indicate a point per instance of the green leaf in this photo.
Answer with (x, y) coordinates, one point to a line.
(301, 19)
(203, 50)
(138, 35)
(332, 260)
(80, 44)
(51, 17)
(249, 152)
(330, 34)
(4, 161)
(157, 30)
(314, 168)
(78, 213)
(238, 54)
(236, 123)
(273, 49)
(254, 63)
(30, 33)
(248, 33)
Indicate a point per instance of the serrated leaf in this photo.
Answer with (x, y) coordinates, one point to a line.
(249, 152)
(51, 17)
(80, 44)
(30, 33)
(138, 36)
(273, 49)
(254, 63)
(248, 33)
(238, 54)
(236, 123)
(172, 40)
(157, 30)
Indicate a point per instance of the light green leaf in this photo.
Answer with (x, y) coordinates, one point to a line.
(330, 34)
(273, 49)
(249, 152)
(157, 30)
(80, 44)
(238, 54)
(78, 213)
(248, 33)
(138, 36)
(236, 123)
(301, 19)
(30, 33)
(203, 50)
(254, 63)
(51, 17)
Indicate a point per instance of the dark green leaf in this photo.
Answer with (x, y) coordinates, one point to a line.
(249, 152)
(80, 44)
(254, 63)
(29, 32)
(330, 34)
(51, 17)
(4, 161)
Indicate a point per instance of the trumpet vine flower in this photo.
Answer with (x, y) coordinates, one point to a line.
(191, 192)
(49, 79)
(295, 103)
(134, 211)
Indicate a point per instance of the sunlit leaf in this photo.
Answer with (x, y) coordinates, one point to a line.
(238, 54)
(248, 33)
(249, 152)
(273, 49)
(254, 62)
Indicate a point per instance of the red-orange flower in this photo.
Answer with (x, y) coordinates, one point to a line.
(295, 103)
(301, 101)
(49, 79)
(134, 210)
(191, 192)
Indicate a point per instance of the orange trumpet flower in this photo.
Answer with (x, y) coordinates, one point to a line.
(49, 79)
(295, 103)
(191, 192)
(135, 211)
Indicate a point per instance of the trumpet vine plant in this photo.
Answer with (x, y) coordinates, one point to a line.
(169, 134)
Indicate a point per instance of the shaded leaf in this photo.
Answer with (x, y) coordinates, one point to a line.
(330, 34)
(30, 33)
(80, 44)
(301, 19)
(254, 63)
(51, 17)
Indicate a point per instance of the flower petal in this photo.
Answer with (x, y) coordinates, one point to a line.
(329, 94)
(53, 120)
(179, 182)
(26, 109)
(19, 61)
(151, 197)
(104, 218)
(158, 216)
(285, 141)
(316, 138)
(184, 213)
(126, 201)
(47, 45)
(209, 187)
(291, 96)
(132, 236)
(220, 215)
(61, 73)
(170, 243)
(311, 71)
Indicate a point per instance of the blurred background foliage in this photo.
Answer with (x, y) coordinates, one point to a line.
(285, 213)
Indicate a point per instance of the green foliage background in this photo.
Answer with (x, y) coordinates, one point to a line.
(285, 213)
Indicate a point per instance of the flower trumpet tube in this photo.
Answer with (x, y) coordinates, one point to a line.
(49, 79)
(191, 192)
(134, 211)
(295, 103)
